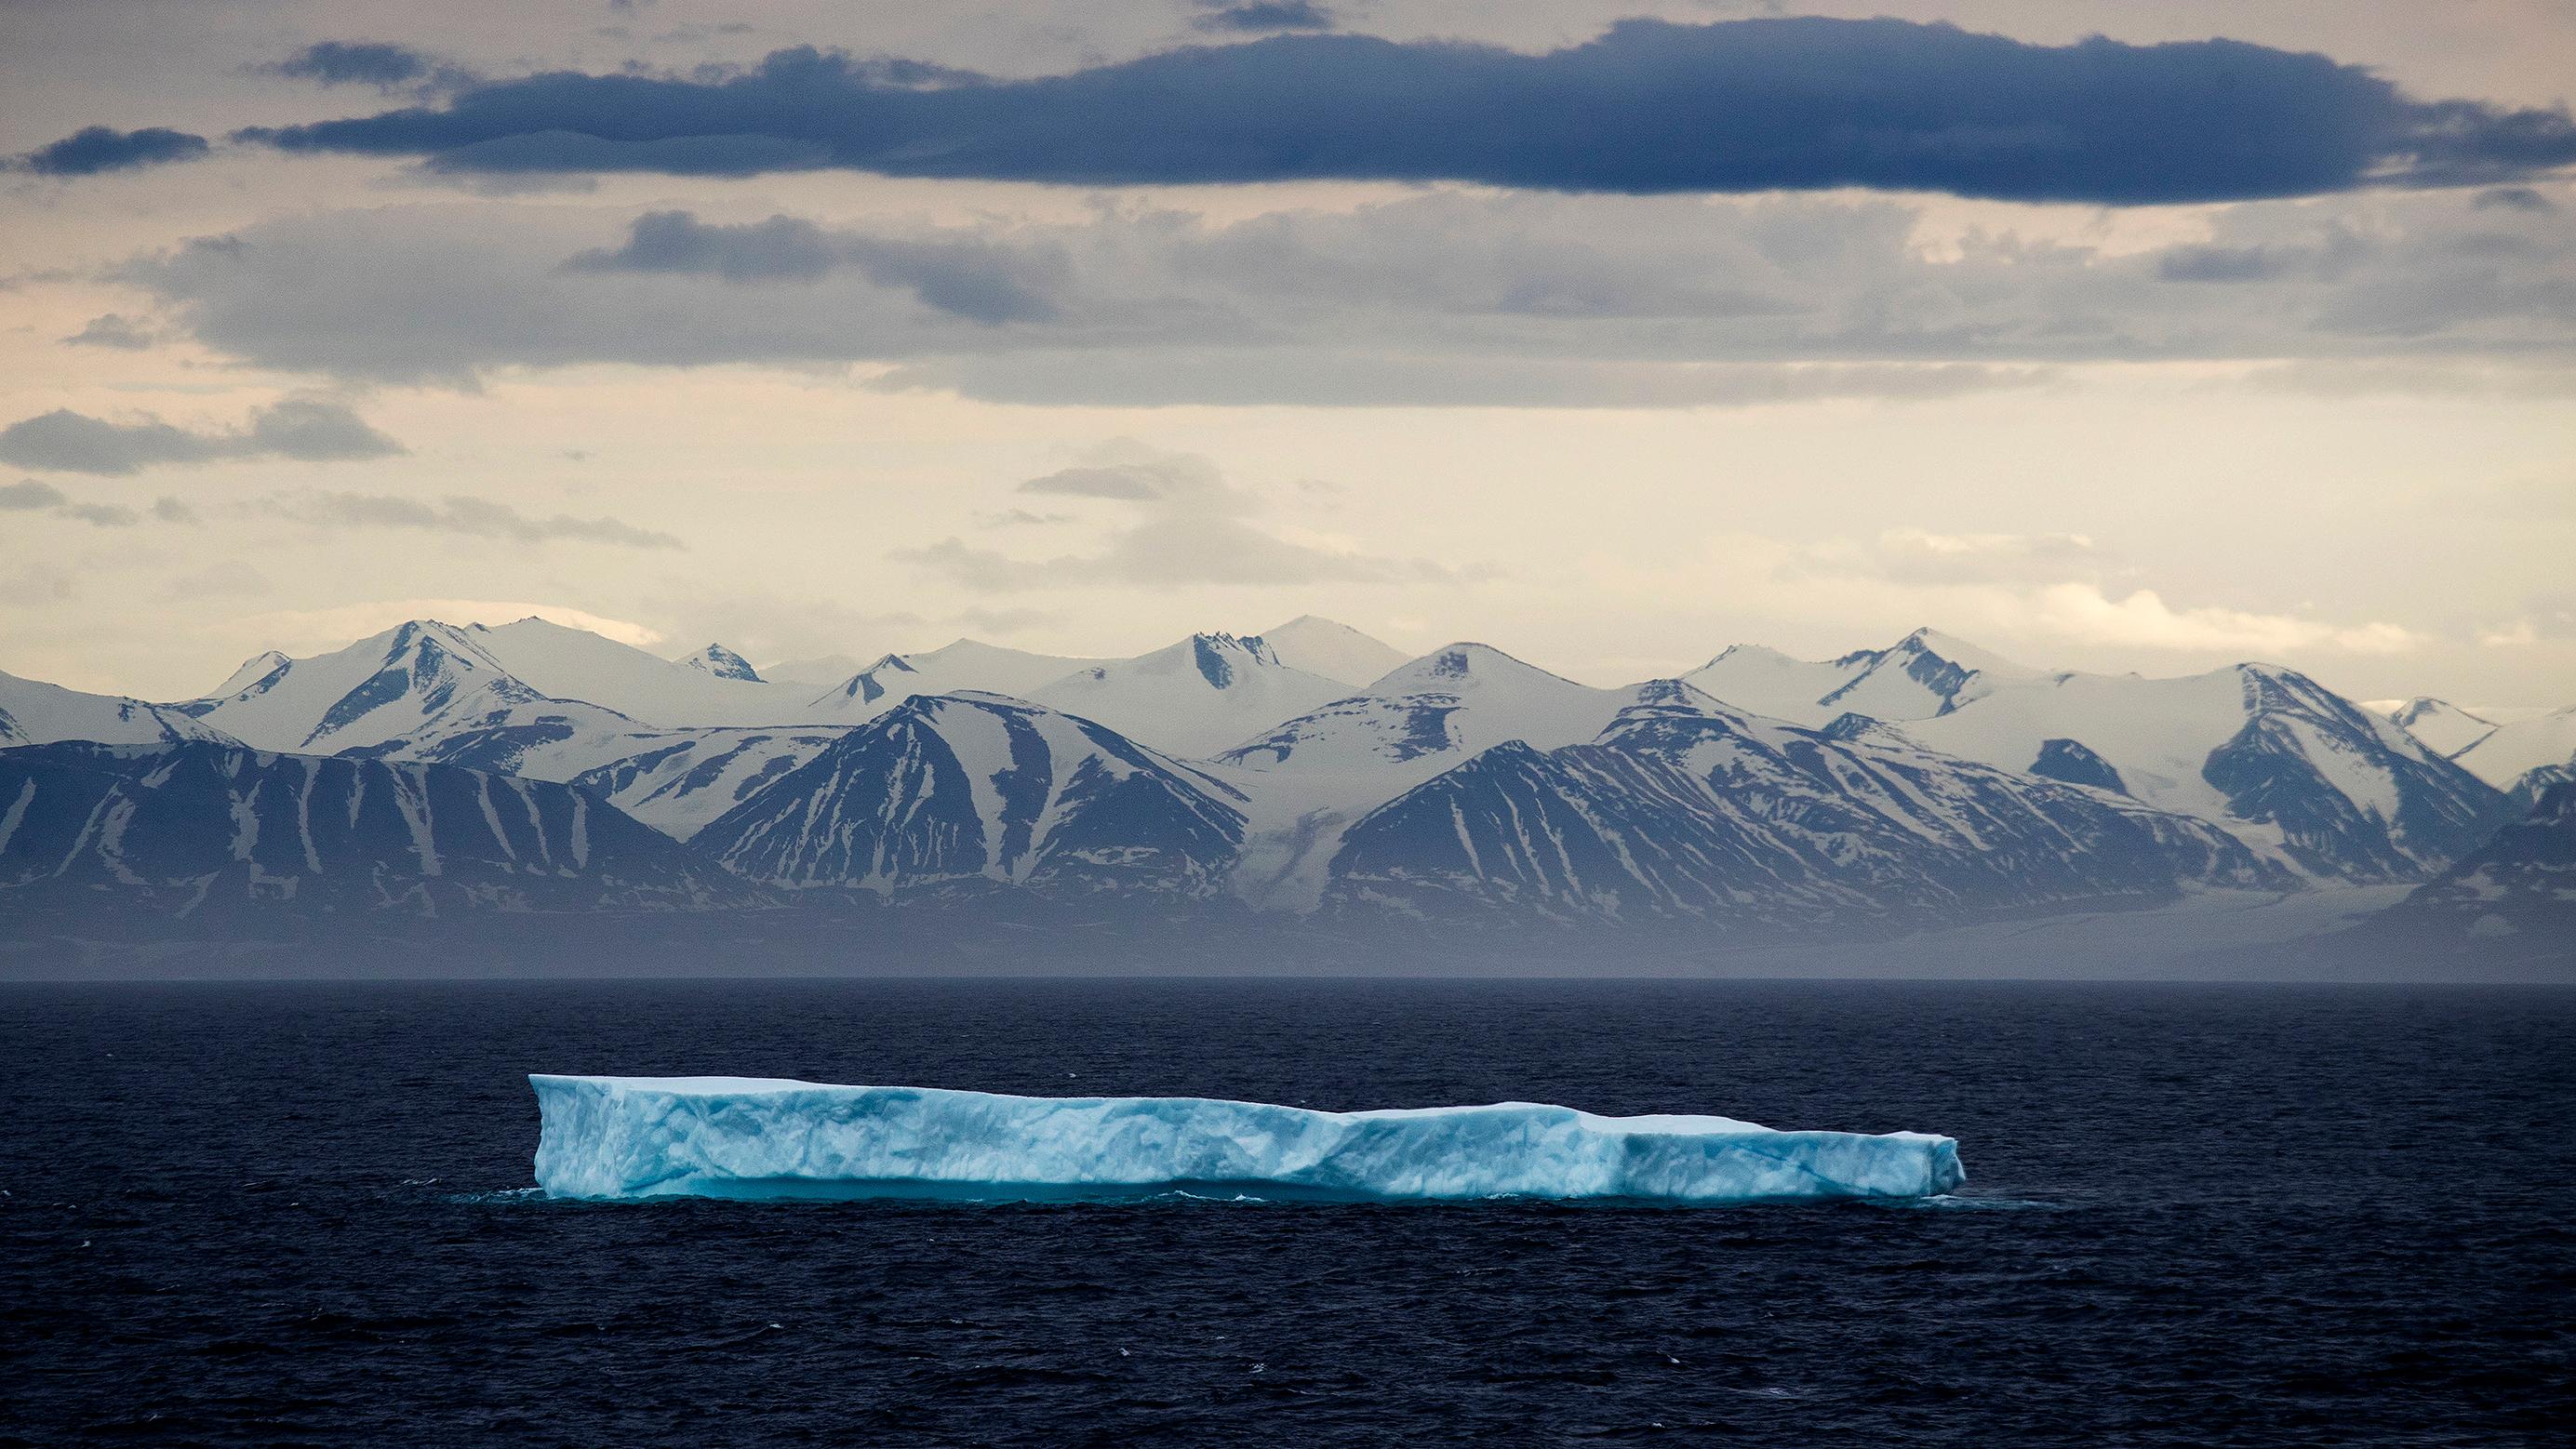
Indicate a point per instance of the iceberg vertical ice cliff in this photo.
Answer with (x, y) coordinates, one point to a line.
(733, 1137)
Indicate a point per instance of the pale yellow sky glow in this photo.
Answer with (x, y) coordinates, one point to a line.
(1612, 435)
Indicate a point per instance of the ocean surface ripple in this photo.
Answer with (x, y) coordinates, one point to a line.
(300, 1214)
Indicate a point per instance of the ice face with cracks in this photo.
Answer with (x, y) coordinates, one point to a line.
(734, 1137)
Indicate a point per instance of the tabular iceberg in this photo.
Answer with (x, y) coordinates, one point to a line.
(735, 1137)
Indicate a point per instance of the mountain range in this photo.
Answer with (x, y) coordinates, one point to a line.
(1305, 774)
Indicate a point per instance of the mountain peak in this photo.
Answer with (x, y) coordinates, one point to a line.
(1462, 665)
(721, 662)
(1750, 654)
(1329, 648)
(257, 672)
(1950, 647)
(2424, 708)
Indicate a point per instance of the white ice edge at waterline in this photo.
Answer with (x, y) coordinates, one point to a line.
(736, 1137)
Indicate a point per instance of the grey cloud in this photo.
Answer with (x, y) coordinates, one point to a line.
(113, 330)
(1133, 482)
(30, 496)
(304, 429)
(967, 277)
(103, 515)
(1259, 16)
(1325, 378)
(96, 149)
(459, 514)
(171, 510)
(382, 64)
(1434, 299)
(2515, 198)
(1188, 527)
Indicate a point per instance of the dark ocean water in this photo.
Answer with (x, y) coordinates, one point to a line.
(2200, 1215)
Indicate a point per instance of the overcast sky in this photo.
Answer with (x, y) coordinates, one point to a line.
(2110, 336)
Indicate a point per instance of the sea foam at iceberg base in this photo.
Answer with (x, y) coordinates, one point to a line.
(735, 1137)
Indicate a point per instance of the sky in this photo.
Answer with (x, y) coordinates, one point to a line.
(2108, 336)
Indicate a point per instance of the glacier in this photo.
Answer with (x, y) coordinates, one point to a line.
(748, 1138)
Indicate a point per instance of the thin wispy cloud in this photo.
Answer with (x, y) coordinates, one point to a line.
(467, 516)
(30, 496)
(128, 334)
(307, 430)
(1183, 525)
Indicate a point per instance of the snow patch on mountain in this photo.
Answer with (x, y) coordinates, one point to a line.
(2287, 765)
(721, 662)
(1193, 698)
(1309, 778)
(1919, 676)
(959, 667)
(33, 712)
(678, 780)
(2515, 748)
(1332, 650)
(2446, 727)
(575, 664)
(1685, 811)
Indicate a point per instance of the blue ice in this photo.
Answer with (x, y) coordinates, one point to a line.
(736, 1137)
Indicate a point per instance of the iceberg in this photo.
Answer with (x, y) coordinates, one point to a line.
(735, 1137)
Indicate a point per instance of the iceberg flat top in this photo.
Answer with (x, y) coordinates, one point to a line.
(738, 1137)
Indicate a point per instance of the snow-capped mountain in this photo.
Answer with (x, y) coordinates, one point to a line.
(1311, 776)
(1192, 698)
(967, 792)
(814, 672)
(1333, 650)
(508, 731)
(575, 664)
(2525, 795)
(1689, 811)
(196, 828)
(1929, 780)
(1449, 703)
(674, 780)
(1918, 676)
(2441, 724)
(36, 713)
(2515, 894)
(967, 664)
(426, 678)
(381, 688)
(678, 780)
(721, 662)
(437, 694)
(2517, 747)
(2290, 767)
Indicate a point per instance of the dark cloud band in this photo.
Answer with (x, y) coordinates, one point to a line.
(100, 148)
(1648, 107)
